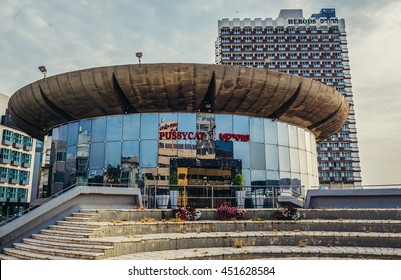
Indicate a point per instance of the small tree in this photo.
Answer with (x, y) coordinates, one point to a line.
(239, 180)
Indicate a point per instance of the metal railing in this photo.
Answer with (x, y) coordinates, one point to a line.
(211, 196)
(47, 199)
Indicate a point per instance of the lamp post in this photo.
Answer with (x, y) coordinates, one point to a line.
(43, 70)
(139, 56)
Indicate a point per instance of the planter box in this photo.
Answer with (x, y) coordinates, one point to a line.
(162, 201)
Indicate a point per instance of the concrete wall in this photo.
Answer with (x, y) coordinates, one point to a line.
(362, 198)
(72, 201)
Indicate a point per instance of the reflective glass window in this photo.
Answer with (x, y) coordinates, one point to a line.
(302, 161)
(284, 156)
(167, 118)
(294, 156)
(224, 149)
(73, 133)
(112, 156)
(272, 178)
(85, 132)
(149, 126)
(271, 157)
(187, 122)
(186, 148)
(271, 131)
(282, 129)
(95, 176)
(56, 133)
(241, 125)
(241, 151)
(148, 153)
(63, 135)
(285, 179)
(258, 177)
(114, 126)
(257, 130)
(247, 174)
(307, 141)
(70, 162)
(293, 136)
(98, 129)
(258, 159)
(96, 156)
(301, 138)
(131, 125)
(130, 162)
(224, 124)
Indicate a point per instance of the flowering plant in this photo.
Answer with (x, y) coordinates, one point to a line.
(186, 213)
(229, 212)
(286, 213)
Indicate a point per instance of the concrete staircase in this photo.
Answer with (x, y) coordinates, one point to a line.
(138, 234)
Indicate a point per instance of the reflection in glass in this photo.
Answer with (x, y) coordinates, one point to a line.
(96, 156)
(131, 127)
(293, 136)
(241, 125)
(85, 132)
(241, 151)
(187, 122)
(257, 130)
(130, 163)
(224, 124)
(301, 138)
(72, 133)
(167, 118)
(71, 158)
(186, 148)
(205, 123)
(63, 134)
(258, 159)
(258, 177)
(224, 149)
(95, 177)
(285, 179)
(270, 131)
(272, 157)
(113, 154)
(114, 128)
(294, 156)
(149, 126)
(282, 129)
(284, 157)
(99, 130)
(148, 153)
(272, 178)
(302, 161)
(247, 174)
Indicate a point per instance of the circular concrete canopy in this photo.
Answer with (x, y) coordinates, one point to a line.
(173, 87)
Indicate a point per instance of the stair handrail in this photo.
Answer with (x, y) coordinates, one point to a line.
(47, 199)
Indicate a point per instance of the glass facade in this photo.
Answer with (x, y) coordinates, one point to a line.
(138, 149)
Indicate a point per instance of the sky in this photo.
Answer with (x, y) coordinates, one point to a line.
(67, 35)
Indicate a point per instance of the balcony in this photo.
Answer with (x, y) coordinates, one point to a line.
(6, 142)
(26, 164)
(3, 180)
(13, 181)
(23, 182)
(17, 145)
(5, 160)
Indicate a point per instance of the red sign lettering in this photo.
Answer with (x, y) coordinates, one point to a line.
(237, 137)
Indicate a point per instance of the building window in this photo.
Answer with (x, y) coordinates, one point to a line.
(7, 137)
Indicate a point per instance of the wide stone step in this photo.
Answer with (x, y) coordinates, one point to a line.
(85, 214)
(59, 252)
(67, 233)
(74, 228)
(74, 240)
(174, 241)
(77, 219)
(268, 252)
(5, 257)
(132, 227)
(67, 246)
(81, 224)
(27, 255)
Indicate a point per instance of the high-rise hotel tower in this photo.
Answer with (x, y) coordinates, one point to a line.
(314, 47)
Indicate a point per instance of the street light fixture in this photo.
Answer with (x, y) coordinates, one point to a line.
(139, 56)
(43, 70)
